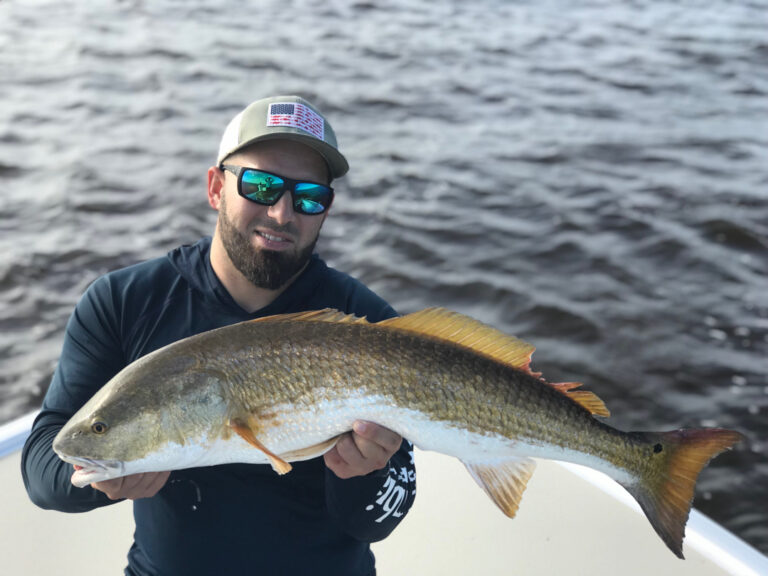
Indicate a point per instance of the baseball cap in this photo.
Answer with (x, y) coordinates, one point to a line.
(283, 118)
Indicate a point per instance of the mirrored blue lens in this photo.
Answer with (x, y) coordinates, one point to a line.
(311, 198)
(262, 187)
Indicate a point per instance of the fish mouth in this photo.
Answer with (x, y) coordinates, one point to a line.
(89, 470)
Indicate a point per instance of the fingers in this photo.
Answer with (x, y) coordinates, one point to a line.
(134, 486)
(335, 462)
(345, 459)
(371, 434)
(154, 483)
(367, 448)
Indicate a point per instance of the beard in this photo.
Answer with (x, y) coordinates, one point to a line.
(264, 268)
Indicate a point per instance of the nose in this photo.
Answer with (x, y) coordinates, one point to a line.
(282, 210)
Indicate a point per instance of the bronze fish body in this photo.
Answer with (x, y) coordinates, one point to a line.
(284, 388)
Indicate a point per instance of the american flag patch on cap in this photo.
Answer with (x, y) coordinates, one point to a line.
(296, 115)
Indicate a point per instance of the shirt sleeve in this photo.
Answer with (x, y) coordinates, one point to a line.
(91, 355)
(368, 508)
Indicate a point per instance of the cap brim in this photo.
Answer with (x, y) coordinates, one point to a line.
(337, 163)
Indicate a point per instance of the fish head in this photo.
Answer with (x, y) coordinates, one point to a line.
(95, 442)
(136, 420)
(107, 433)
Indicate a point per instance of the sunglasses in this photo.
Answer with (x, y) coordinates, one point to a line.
(266, 188)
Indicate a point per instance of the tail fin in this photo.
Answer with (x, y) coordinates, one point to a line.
(667, 481)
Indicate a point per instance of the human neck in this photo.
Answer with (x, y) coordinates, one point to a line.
(247, 295)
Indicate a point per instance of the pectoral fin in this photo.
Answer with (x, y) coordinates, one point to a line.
(504, 482)
(244, 431)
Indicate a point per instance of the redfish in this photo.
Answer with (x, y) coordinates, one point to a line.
(284, 388)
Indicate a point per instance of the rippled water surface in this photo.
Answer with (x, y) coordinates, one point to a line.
(590, 176)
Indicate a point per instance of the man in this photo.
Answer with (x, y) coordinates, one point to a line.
(271, 188)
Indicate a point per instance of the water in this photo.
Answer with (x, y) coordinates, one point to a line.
(590, 176)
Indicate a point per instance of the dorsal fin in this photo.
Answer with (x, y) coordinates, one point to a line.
(453, 327)
(468, 332)
(584, 398)
(326, 315)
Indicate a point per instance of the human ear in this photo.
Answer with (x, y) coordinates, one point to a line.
(215, 186)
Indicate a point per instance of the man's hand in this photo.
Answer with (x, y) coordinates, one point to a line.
(134, 486)
(367, 448)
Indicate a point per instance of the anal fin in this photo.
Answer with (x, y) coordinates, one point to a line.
(504, 482)
(244, 431)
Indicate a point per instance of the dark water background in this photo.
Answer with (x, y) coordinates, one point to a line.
(591, 176)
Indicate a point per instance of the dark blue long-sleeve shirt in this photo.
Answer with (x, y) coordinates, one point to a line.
(228, 519)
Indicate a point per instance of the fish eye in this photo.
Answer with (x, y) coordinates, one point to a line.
(99, 428)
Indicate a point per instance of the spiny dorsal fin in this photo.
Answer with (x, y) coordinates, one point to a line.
(504, 482)
(460, 329)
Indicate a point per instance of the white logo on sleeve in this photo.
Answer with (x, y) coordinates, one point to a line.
(392, 495)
